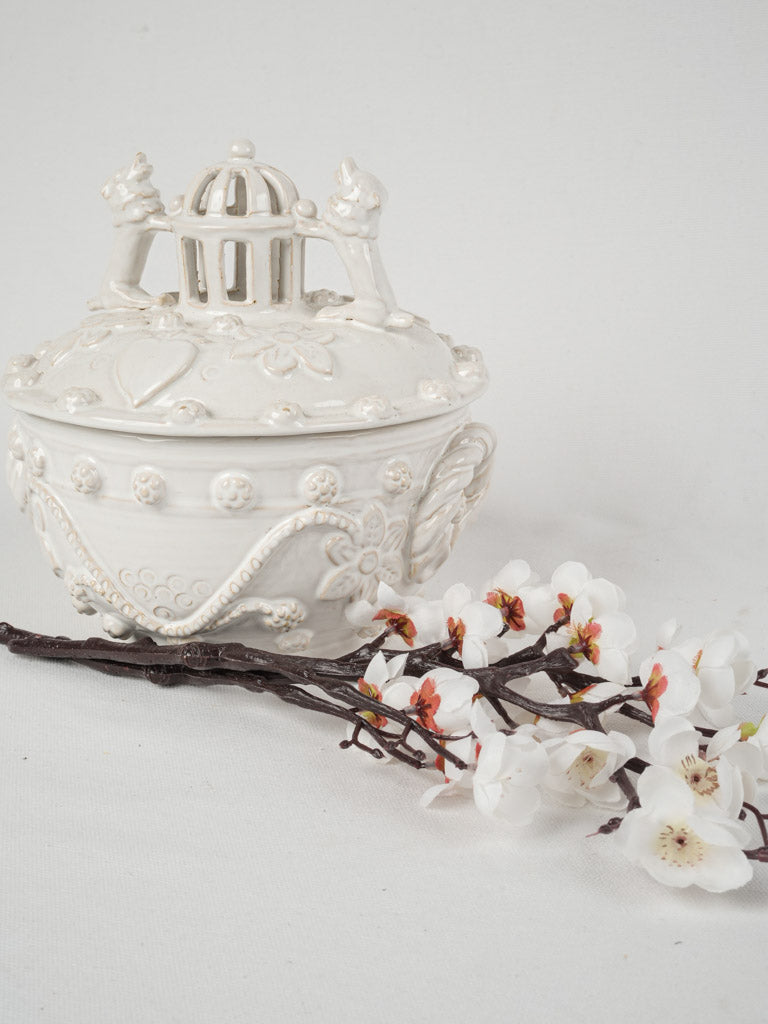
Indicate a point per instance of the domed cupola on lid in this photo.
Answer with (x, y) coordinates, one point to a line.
(236, 241)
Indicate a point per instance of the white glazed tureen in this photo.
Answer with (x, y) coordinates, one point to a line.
(242, 457)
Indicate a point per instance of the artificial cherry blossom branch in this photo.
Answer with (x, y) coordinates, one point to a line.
(456, 685)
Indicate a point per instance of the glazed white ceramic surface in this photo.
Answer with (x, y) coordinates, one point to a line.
(240, 457)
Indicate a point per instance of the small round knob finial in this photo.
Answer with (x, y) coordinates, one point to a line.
(242, 149)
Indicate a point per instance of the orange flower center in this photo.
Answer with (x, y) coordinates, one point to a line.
(511, 608)
(564, 610)
(399, 623)
(456, 633)
(584, 637)
(371, 690)
(426, 701)
(654, 688)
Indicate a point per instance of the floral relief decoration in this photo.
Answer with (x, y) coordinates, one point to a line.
(85, 476)
(232, 492)
(148, 486)
(284, 348)
(364, 557)
(320, 486)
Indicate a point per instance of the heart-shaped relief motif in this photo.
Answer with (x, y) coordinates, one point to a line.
(148, 365)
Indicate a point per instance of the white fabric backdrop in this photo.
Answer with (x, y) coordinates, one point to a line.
(576, 188)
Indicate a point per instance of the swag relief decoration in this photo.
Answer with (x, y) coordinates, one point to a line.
(357, 549)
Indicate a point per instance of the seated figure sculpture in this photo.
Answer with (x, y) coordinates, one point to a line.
(351, 222)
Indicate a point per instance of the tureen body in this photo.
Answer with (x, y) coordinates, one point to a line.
(240, 457)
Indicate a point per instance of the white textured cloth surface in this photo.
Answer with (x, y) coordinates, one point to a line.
(579, 189)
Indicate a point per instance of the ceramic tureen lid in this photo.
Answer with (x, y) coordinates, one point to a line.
(241, 348)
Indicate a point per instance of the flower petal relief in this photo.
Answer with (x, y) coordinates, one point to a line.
(676, 845)
(287, 346)
(365, 557)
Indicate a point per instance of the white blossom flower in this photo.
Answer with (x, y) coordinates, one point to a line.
(509, 770)
(677, 846)
(483, 720)
(756, 735)
(381, 671)
(472, 626)
(378, 675)
(725, 670)
(670, 686)
(504, 590)
(458, 781)
(581, 765)
(600, 635)
(715, 782)
(732, 744)
(440, 700)
(550, 602)
(510, 643)
(412, 618)
(667, 633)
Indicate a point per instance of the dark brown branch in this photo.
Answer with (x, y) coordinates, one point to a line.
(286, 684)
(535, 650)
(760, 819)
(637, 714)
(627, 787)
